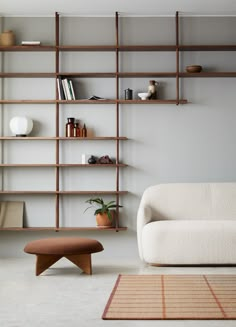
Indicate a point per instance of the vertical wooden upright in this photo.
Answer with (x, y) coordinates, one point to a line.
(117, 120)
(57, 204)
(177, 55)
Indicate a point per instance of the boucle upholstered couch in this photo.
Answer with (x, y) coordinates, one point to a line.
(188, 223)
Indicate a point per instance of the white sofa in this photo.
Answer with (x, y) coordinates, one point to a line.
(188, 223)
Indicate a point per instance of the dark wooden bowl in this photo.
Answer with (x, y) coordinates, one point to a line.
(194, 69)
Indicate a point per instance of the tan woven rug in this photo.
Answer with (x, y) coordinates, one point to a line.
(172, 297)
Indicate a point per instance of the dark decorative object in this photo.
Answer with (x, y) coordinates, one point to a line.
(152, 89)
(128, 94)
(92, 160)
(194, 69)
(105, 160)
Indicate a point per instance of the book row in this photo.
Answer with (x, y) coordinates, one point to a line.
(65, 89)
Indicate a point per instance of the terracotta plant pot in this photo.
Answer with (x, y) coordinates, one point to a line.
(103, 221)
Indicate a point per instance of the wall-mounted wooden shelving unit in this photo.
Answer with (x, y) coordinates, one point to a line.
(58, 49)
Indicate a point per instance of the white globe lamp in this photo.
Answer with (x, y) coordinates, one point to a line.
(21, 126)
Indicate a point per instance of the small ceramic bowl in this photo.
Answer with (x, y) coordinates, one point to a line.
(143, 96)
(194, 69)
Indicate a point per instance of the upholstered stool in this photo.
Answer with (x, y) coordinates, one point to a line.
(76, 249)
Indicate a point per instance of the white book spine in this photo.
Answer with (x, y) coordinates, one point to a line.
(58, 89)
(64, 88)
(72, 89)
(69, 97)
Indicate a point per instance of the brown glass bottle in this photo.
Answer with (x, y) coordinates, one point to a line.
(76, 130)
(84, 131)
(70, 127)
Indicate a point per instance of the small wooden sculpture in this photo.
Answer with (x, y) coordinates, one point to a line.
(152, 89)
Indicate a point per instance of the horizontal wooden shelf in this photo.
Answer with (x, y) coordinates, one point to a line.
(104, 75)
(201, 47)
(208, 74)
(27, 165)
(95, 138)
(28, 229)
(159, 101)
(37, 229)
(117, 48)
(51, 101)
(54, 75)
(147, 74)
(93, 165)
(28, 48)
(147, 47)
(86, 48)
(86, 101)
(63, 192)
(26, 101)
(27, 75)
(91, 229)
(92, 192)
(87, 74)
(62, 138)
(29, 192)
(32, 138)
(62, 165)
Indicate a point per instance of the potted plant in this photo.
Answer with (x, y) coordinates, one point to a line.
(104, 212)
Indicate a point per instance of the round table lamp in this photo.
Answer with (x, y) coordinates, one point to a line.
(21, 126)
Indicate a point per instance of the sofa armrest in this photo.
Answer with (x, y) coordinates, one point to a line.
(144, 216)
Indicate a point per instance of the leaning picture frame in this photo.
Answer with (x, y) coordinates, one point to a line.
(11, 214)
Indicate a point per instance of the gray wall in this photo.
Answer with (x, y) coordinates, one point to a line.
(167, 143)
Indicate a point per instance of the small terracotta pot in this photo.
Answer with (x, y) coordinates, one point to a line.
(103, 221)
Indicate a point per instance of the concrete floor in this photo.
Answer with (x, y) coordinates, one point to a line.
(64, 297)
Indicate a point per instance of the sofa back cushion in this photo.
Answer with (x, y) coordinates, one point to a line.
(191, 201)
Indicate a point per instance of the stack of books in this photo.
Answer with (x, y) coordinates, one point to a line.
(65, 89)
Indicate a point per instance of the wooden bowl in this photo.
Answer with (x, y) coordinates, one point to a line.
(194, 69)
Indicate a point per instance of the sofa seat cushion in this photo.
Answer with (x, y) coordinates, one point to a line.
(190, 242)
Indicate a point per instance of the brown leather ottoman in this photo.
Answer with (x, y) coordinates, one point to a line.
(76, 249)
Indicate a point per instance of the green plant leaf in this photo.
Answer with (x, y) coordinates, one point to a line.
(109, 215)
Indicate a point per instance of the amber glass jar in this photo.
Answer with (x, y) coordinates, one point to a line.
(76, 130)
(70, 127)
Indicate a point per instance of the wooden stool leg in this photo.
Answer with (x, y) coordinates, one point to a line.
(44, 261)
(83, 261)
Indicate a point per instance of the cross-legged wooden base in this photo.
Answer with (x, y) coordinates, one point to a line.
(44, 261)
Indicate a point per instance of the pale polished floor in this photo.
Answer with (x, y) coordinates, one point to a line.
(63, 297)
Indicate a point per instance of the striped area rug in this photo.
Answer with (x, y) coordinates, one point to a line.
(172, 297)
